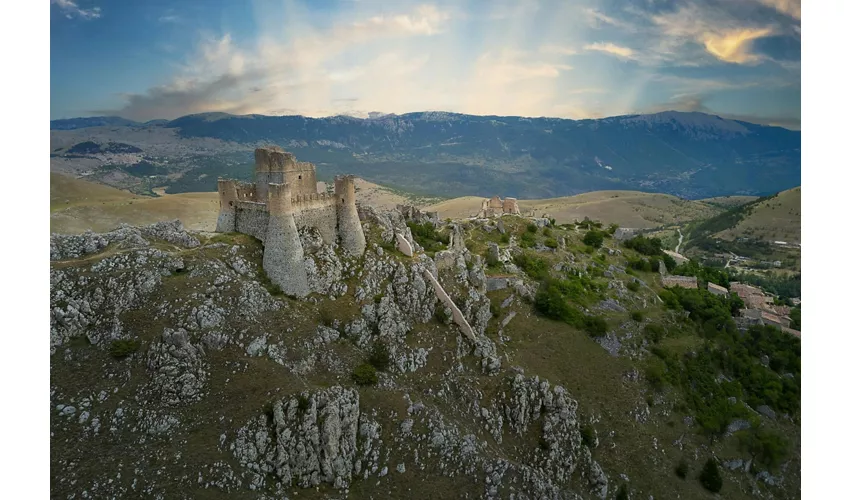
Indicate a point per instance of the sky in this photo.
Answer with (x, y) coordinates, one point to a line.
(739, 59)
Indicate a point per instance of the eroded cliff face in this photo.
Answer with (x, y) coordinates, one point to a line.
(175, 371)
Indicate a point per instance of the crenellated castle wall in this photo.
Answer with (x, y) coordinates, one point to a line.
(283, 200)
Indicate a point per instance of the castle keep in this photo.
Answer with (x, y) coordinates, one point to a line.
(283, 200)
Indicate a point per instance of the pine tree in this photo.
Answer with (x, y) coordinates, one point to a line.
(710, 476)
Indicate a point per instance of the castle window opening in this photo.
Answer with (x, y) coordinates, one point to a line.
(299, 177)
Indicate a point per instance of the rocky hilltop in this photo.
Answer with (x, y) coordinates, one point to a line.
(179, 371)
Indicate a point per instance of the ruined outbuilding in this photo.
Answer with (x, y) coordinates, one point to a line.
(283, 200)
(495, 207)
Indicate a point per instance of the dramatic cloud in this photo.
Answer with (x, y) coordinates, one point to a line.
(727, 37)
(734, 46)
(512, 58)
(72, 10)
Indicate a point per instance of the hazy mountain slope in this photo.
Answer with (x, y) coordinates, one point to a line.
(691, 155)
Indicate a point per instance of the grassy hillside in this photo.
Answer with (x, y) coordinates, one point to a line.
(66, 191)
(77, 205)
(625, 208)
(729, 201)
(776, 218)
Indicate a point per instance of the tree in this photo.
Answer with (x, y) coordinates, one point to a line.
(795, 318)
(593, 239)
(710, 476)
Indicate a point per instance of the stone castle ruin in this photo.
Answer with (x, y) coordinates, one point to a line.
(495, 207)
(283, 200)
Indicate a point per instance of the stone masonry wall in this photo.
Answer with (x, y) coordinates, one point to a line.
(320, 217)
(252, 219)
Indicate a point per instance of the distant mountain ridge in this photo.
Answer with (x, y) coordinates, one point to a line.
(688, 154)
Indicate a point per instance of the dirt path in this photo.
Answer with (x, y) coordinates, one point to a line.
(680, 240)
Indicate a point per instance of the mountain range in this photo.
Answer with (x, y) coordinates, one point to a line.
(687, 154)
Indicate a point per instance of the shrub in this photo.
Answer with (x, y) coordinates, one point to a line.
(637, 316)
(682, 469)
(653, 332)
(766, 447)
(527, 240)
(441, 314)
(123, 348)
(640, 265)
(595, 326)
(428, 236)
(380, 357)
(495, 309)
(593, 239)
(669, 262)
(710, 476)
(547, 232)
(634, 286)
(531, 228)
(644, 245)
(551, 243)
(588, 435)
(326, 314)
(612, 228)
(365, 374)
(622, 492)
(492, 261)
(505, 238)
(533, 266)
(656, 375)
(303, 402)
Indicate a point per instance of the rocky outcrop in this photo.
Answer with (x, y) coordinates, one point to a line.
(304, 440)
(178, 371)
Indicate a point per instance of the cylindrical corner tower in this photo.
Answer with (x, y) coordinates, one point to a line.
(350, 231)
(227, 206)
(262, 161)
(283, 256)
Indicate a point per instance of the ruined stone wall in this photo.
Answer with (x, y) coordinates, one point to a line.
(301, 176)
(227, 195)
(510, 206)
(246, 191)
(320, 214)
(457, 315)
(252, 218)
